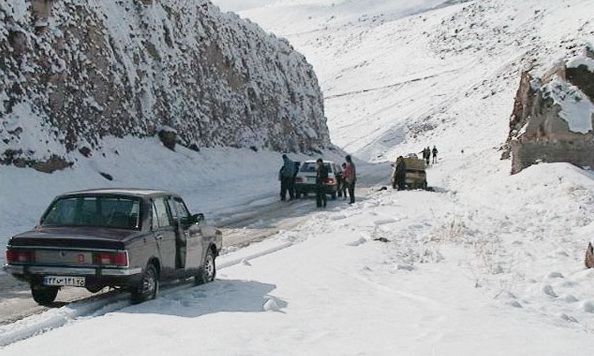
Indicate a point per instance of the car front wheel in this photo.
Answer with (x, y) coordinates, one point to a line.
(148, 287)
(589, 260)
(44, 295)
(208, 271)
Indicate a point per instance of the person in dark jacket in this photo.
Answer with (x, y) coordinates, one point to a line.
(434, 151)
(400, 173)
(321, 177)
(286, 175)
(427, 155)
(342, 188)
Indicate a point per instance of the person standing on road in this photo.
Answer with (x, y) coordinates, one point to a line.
(321, 177)
(350, 177)
(286, 175)
(343, 183)
(400, 174)
(434, 151)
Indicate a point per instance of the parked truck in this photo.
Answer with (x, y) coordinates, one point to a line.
(416, 176)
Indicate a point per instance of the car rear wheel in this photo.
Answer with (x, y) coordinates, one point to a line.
(148, 287)
(208, 271)
(589, 260)
(44, 295)
(94, 288)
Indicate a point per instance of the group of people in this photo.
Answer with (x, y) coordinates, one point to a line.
(346, 180)
(427, 152)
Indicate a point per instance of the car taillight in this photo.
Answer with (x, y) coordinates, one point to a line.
(329, 180)
(19, 256)
(299, 180)
(115, 258)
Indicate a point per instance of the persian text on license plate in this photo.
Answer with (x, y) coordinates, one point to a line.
(64, 281)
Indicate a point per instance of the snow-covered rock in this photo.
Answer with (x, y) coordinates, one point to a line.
(72, 73)
(553, 116)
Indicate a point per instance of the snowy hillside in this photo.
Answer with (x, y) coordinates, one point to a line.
(430, 77)
(485, 264)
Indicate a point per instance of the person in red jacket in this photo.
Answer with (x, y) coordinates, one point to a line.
(350, 177)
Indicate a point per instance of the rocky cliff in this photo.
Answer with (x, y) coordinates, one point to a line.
(73, 72)
(553, 116)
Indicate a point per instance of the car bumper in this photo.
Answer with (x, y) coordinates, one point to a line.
(70, 271)
(312, 188)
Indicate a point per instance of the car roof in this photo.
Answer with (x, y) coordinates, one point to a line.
(314, 161)
(137, 192)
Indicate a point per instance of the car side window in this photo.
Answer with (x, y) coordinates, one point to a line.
(160, 214)
(181, 210)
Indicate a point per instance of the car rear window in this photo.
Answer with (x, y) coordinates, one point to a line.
(96, 211)
(311, 167)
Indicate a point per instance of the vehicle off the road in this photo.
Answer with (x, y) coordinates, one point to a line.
(123, 238)
(589, 259)
(305, 180)
(416, 176)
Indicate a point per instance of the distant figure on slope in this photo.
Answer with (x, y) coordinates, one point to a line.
(286, 175)
(434, 151)
(427, 155)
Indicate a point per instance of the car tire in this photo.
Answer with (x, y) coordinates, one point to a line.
(589, 260)
(148, 287)
(208, 271)
(44, 295)
(94, 288)
(297, 195)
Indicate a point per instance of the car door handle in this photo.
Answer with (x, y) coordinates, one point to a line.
(158, 237)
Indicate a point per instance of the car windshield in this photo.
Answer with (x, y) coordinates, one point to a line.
(311, 167)
(96, 211)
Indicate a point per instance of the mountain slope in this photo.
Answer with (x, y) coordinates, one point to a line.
(432, 69)
(72, 74)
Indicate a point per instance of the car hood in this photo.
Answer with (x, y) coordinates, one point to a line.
(73, 236)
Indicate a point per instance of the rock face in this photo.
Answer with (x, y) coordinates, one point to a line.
(553, 116)
(73, 72)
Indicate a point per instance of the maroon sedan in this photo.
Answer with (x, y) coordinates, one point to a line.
(121, 238)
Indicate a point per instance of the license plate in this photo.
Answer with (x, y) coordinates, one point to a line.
(64, 281)
(311, 179)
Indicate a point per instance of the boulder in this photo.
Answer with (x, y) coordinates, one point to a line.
(553, 116)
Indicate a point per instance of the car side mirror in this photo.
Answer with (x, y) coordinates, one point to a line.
(198, 218)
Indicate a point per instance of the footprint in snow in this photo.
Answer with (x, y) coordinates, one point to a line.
(588, 306)
(360, 241)
(405, 267)
(549, 291)
(514, 303)
(570, 299)
(555, 275)
(245, 262)
(569, 318)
